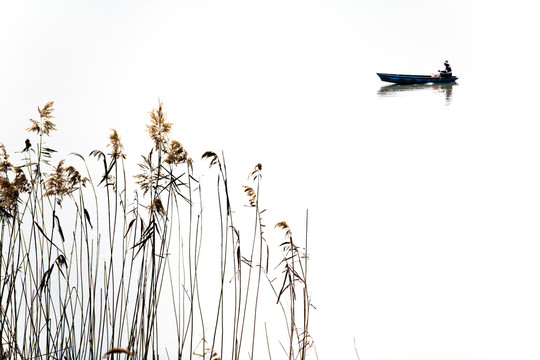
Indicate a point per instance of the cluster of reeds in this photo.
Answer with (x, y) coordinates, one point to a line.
(84, 264)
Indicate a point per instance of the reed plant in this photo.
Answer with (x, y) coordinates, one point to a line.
(96, 263)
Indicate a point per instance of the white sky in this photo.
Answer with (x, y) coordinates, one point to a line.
(424, 222)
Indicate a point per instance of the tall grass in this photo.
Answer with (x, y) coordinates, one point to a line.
(92, 266)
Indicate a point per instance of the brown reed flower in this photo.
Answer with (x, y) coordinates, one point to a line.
(56, 183)
(35, 127)
(46, 112)
(176, 154)
(10, 190)
(5, 165)
(74, 178)
(116, 145)
(148, 176)
(159, 128)
(256, 172)
(8, 195)
(283, 225)
(45, 125)
(20, 181)
(157, 206)
(214, 159)
(63, 181)
(251, 194)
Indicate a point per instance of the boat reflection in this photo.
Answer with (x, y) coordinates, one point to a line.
(397, 90)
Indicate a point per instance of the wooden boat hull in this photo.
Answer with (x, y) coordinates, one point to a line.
(414, 79)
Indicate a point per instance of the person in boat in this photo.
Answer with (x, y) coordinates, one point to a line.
(447, 72)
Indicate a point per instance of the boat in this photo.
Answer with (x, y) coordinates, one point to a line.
(415, 79)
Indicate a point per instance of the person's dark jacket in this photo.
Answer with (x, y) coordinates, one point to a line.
(447, 72)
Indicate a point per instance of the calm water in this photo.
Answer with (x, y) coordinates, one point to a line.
(435, 90)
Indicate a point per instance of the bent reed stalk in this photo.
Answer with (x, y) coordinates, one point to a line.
(83, 266)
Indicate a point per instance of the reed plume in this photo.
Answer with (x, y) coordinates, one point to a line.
(10, 191)
(116, 145)
(159, 128)
(252, 196)
(63, 181)
(176, 154)
(45, 125)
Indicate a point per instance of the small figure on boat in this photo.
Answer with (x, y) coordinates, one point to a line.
(447, 72)
(443, 76)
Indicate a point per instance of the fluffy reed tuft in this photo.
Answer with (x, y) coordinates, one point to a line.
(256, 173)
(159, 128)
(5, 165)
(251, 195)
(157, 206)
(45, 125)
(177, 154)
(11, 190)
(116, 145)
(63, 181)
(148, 175)
(283, 225)
(214, 159)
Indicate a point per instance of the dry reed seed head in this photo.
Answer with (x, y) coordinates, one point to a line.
(176, 154)
(35, 127)
(144, 182)
(21, 183)
(8, 195)
(46, 112)
(56, 183)
(63, 181)
(10, 190)
(251, 194)
(4, 153)
(157, 206)
(256, 172)
(147, 177)
(159, 128)
(74, 178)
(5, 165)
(46, 125)
(116, 145)
(214, 159)
(283, 225)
